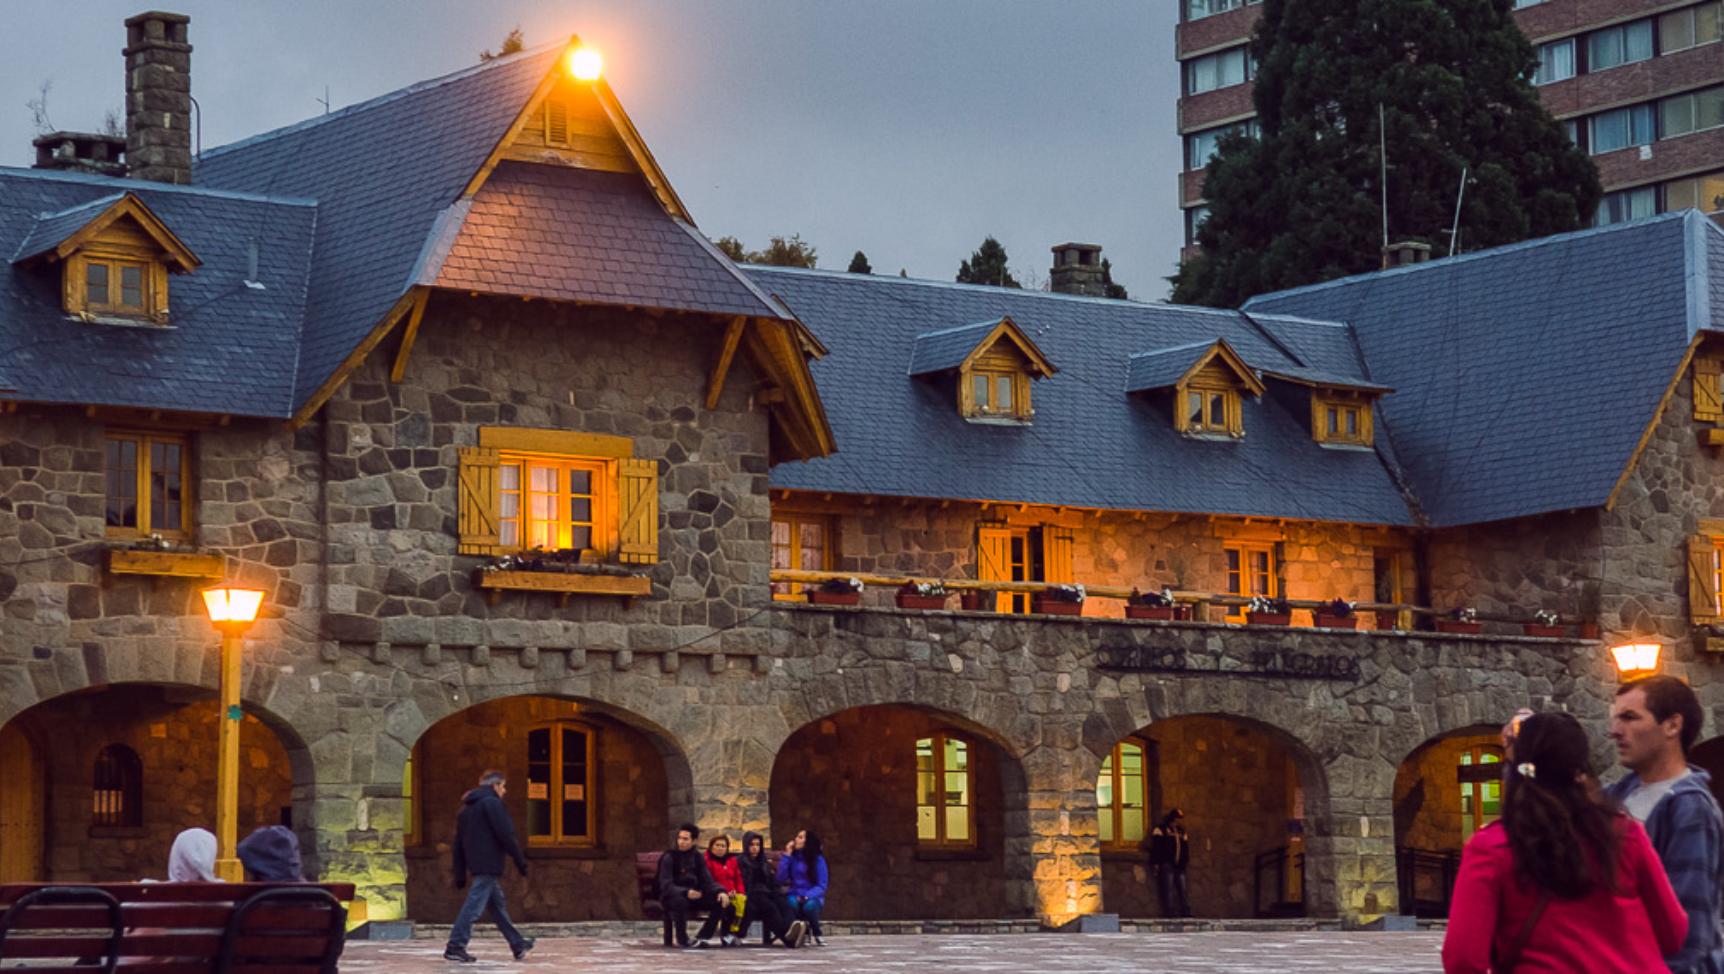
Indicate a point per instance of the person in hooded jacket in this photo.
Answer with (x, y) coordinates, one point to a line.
(725, 870)
(483, 837)
(1169, 855)
(270, 854)
(803, 873)
(685, 886)
(765, 897)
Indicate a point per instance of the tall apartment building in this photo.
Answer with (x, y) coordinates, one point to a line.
(1639, 84)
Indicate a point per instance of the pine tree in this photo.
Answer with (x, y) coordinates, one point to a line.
(732, 248)
(791, 251)
(513, 43)
(1115, 291)
(1301, 203)
(987, 266)
(859, 264)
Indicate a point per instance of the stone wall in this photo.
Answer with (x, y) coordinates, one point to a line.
(1518, 567)
(851, 778)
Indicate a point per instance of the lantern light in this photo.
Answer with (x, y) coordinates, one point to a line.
(232, 606)
(1636, 659)
(586, 64)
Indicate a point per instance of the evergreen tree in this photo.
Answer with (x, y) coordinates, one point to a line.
(859, 264)
(732, 248)
(513, 43)
(1115, 291)
(1302, 202)
(987, 266)
(791, 251)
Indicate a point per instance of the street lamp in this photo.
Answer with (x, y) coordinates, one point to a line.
(231, 610)
(1635, 660)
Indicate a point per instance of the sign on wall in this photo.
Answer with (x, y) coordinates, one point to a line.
(1267, 662)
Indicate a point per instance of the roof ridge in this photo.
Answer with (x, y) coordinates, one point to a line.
(124, 185)
(1555, 238)
(956, 328)
(1200, 343)
(102, 201)
(959, 286)
(386, 98)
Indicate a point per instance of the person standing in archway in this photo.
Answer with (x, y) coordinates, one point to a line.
(483, 837)
(1169, 855)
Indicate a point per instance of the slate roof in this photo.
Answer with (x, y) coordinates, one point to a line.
(946, 348)
(1525, 375)
(230, 347)
(582, 235)
(1163, 367)
(1091, 444)
(51, 229)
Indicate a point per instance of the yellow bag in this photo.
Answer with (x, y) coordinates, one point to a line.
(738, 902)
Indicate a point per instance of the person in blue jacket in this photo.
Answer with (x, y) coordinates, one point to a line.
(802, 871)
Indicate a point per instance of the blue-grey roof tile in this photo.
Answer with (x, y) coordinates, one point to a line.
(946, 348)
(52, 229)
(1163, 367)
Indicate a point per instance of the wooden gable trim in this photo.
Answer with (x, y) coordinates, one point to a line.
(1247, 377)
(1007, 328)
(643, 156)
(1652, 424)
(726, 353)
(399, 311)
(130, 206)
(414, 317)
(501, 149)
(774, 347)
(556, 442)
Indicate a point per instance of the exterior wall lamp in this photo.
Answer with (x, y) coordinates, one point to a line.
(1635, 660)
(231, 611)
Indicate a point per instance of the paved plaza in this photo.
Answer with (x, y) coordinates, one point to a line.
(1191, 953)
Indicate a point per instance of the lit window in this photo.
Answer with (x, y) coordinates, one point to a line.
(1690, 27)
(1704, 193)
(118, 287)
(1481, 788)
(799, 543)
(1694, 111)
(117, 793)
(147, 475)
(1250, 573)
(1555, 62)
(1223, 69)
(560, 799)
(412, 833)
(945, 787)
(1620, 129)
(1120, 796)
(550, 504)
(1619, 45)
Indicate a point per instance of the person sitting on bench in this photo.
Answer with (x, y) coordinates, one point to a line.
(684, 885)
(765, 898)
(271, 855)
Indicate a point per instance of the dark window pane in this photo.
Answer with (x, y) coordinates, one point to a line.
(165, 486)
(574, 784)
(580, 481)
(539, 782)
(96, 283)
(122, 484)
(581, 510)
(132, 286)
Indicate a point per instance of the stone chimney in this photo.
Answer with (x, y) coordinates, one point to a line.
(1077, 270)
(159, 97)
(81, 151)
(1405, 252)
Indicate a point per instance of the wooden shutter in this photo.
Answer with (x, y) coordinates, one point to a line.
(477, 503)
(1708, 406)
(637, 497)
(994, 559)
(1057, 546)
(1702, 593)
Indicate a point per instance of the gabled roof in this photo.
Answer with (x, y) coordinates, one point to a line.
(1527, 375)
(956, 348)
(1089, 446)
(1165, 367)
(56, 235)
(1325, 380)
(229, 345)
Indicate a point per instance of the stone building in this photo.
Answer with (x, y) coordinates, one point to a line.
(533, 478)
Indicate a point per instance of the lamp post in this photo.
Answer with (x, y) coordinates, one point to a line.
(232, 611)
(1635, 660)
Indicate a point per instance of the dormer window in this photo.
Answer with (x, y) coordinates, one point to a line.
(1340, 417)
(1209, 410)
(115, 285)
(995, 363)
(114, 256)
(1208, 380)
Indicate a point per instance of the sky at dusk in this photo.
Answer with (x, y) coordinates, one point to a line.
(909, 129)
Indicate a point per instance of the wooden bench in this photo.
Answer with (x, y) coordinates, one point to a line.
(174, 928)
(646, 881)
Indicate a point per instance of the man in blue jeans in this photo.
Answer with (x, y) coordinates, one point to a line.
(483, 836)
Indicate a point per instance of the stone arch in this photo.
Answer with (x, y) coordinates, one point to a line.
(1431, 824)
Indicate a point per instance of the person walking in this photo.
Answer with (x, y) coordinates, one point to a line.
(725, 870)
(684, 885)
(1564, 881)
(1654, 722)
(765, 898)
(483, 837)
(1169, 855)
(803, 873)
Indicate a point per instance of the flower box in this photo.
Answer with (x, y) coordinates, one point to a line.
(1054, 607)
(821, 597)
(565, 584)
(1268, 618)
(924, 602)
(1548, 632)
(177, 564)
(1457, 626)
(1165, 612)
(971, 600)
(1336, 622)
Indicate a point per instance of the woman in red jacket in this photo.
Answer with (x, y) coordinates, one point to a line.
(726, 871)
(1566, 881)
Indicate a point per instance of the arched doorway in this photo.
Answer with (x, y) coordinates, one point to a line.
(108, 776)
(588, 787)
(1446, 789)
(923, 814)
(1242, 787)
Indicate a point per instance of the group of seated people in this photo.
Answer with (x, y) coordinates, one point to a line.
(737, 890)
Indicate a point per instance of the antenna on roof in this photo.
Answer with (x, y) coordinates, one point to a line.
(1461, 194)
(1383, 178)
(324, 101)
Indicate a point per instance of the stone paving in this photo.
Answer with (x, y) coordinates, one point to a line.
(1193, 953)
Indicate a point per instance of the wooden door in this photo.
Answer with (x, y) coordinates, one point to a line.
(21, 804)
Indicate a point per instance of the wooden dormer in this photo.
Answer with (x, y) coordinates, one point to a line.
(1208, 380)
(995, 363)
(114, 256)
(1341, 406)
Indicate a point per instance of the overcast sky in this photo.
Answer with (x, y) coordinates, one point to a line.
(908, 129)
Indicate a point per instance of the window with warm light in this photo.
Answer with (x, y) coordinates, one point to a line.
(1121, 796)
(1250, 573)
(800, 542)
(118, 788)
(561, 803)
(147, 479)
(522, 489)
(553, 504)
(1480, 776)
(945, 789)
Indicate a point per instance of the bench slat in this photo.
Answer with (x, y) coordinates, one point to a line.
(171, 917)
(174, 892)
(158, 944)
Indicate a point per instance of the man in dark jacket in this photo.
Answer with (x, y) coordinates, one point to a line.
(1169, 855)
(684, 884)
(766, 898)
(483, 836)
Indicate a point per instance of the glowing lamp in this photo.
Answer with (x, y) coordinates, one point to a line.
(1636, 659)
(586, 64)
(236, 607)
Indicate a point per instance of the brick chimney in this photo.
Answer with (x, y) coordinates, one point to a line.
(82, 152)
(1405, 252)
(1077, 270)
(159, 97)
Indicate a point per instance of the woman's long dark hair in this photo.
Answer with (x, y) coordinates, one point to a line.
(1560, 829)
(810, 851)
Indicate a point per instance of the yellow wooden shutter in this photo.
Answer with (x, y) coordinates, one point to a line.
(637, 497)
(1708, 407)
(1057, 546)
(477, 503)
(994, 559)
(1702, 580)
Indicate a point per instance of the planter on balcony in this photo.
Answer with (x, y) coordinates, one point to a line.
(565, 584)
(1268, 618)
(1457, 626)
(175, 564)
(1548, 632)
(818, 597)
(1051, 607)
(1164, 612)
(1587, 630)
(976, 601)
(924, 602)
(1337, 622)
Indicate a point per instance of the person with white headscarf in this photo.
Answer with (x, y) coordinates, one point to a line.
(192, 858)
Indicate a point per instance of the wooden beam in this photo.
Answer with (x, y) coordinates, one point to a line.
(1652, 424)
(732, 338)
(353, 361)
(631, 586)
(180, 564)
(498, 151)
(422, 296)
